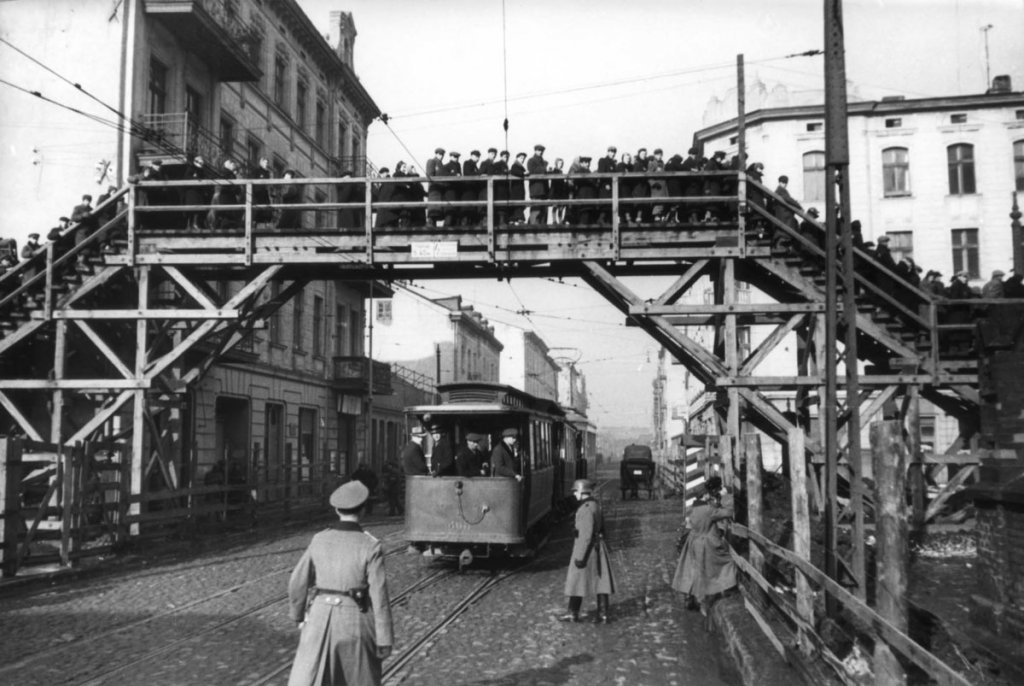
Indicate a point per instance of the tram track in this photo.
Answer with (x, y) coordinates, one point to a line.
(78, 643)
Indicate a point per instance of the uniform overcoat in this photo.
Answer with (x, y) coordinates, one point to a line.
(705, 566)
(338, 643)
(589, 547)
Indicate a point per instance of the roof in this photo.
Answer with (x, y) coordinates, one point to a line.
(886, 107)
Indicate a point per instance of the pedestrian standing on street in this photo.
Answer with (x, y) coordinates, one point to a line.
(365, 474)
(589, 570)
(705, 568)
(393, 483)
(347, 631)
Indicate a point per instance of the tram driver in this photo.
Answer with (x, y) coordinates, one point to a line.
(504, 461)
(470, 459)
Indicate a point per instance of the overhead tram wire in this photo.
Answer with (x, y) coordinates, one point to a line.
(593, 86)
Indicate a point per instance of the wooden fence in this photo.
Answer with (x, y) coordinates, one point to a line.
(788, 616)
(61, 504)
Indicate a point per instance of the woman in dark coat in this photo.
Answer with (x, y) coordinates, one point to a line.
(347, 630)
(705, 566)
(589, 571)
(391, 192)
(641, 188)
(585, 188)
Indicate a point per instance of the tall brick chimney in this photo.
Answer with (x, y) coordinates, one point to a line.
(346, 26)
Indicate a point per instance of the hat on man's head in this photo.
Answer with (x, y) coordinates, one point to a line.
(494, 150)
(658, 151)
(719, 153)
(476, 438)
(883, 239)
(418, 431)
(383, 170)
(539, 148)
(474, 153)
(693, 151)
(998, 272)
(585, 159)
(520, 154)
(612, 148)
(436, 428)
(513, 433)
(349, 496)
(503, 153)
(813, 211)
(963, 274)
(155, 163)
(34, 235)
(438, 151)
(454, 154)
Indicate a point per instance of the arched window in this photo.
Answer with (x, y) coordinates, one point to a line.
(1018, 164)
(961, 168)
(814, 176)
(895, 172)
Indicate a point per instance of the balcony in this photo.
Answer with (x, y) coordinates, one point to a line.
(352, 375)
(179, 131)
(214, 31)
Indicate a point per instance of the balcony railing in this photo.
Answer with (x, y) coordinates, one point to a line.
(178, 133)
(352, 374)
(214, 31)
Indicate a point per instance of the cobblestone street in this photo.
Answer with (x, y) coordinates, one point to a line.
(220, 617)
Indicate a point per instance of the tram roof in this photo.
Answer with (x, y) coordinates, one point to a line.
(477, 396)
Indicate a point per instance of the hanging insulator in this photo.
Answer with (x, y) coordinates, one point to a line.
(505, 125)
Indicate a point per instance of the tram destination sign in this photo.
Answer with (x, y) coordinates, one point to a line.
(435, 249)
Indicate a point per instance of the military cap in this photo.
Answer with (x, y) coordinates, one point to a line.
(658, 151)
(454, 154)
(477, 438)
(612, 148)
(474, 153)
(583, 486)
(783, 179)
(883, 239)
(438, 151)
(539, 147)
(513, 432)
(436, 427)
(998, 272)
(349, 496)
(494, 150)
(34, 235)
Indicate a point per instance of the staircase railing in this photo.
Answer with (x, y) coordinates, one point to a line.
(45, 263)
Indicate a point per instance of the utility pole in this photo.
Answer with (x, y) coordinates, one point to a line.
(988, 76)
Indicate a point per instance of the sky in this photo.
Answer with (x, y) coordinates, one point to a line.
(577, 76)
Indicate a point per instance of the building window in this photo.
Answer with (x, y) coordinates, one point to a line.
(814, 176)
(815, 126)
(253, 151)
(320, 125)
(965, 252)
(280, 73)
(257, 35)
(298, 314)
(895, 172)
(1018, 165)
(301, 100)
(227, 136)
(384, 312)
(193, 106)
(893, 123)
(275, 318)
(901, 244)
(958, 119)
(342, 137)
(157, 86)
(356, 154)
(308, 458)
(318, 325)
(355, 332)
(961, 169)
(340, 330)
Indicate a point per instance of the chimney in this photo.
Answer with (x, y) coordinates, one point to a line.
(1000, 84)
(346, 26)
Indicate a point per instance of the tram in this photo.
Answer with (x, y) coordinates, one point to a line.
(491, 516)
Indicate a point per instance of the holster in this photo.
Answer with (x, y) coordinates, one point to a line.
(362, 598)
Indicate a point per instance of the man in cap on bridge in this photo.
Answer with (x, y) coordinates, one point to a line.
(347, 631)
(589, 570)
(537, 166)
(435, 191)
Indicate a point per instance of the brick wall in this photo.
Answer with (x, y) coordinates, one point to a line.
(999, 604)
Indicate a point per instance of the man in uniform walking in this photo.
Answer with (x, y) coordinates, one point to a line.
(589, 571)
(347, 631)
